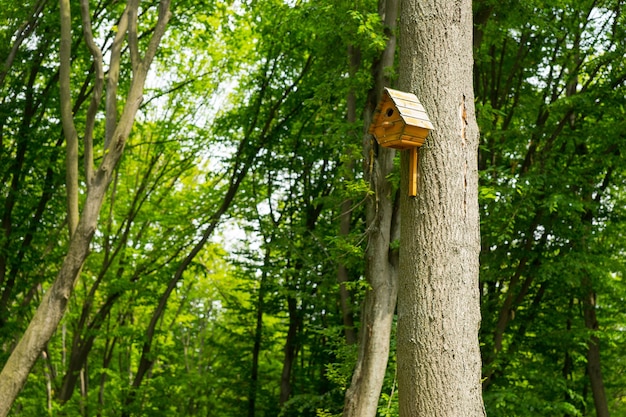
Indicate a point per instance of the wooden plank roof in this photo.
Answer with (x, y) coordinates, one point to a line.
(410, 108)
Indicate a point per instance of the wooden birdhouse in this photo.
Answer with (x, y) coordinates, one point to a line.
(400, 122)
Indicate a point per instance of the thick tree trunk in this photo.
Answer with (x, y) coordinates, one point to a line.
(381, 264)
(439, 365)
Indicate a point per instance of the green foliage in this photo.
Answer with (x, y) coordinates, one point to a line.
(549, 157)
(340, 372)
(248, 101)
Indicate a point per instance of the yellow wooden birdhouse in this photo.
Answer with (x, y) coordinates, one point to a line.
(400, 122)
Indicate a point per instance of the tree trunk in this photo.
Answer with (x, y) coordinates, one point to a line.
(593, 353)
(345, 211)
(258, 335)
(439, 365)
(381, 264)
(290, 351)
(69, 129)
(52, 307)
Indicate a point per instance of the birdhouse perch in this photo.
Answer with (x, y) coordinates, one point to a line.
(400, 122)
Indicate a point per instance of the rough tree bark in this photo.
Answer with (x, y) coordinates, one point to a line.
(49, 314)
(381, 262)
(439, 365)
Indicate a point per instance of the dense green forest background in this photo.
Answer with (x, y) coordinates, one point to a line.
(213, 284)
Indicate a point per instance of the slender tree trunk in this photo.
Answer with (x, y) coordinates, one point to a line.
(345, 214)
(69, 130)
(49, 374)
(258, 335)
(344, 295)
(106, 362)
(439, 366)
(381, 263)
(290, 351)
(593, 353)
(84, 390)
(594, 368)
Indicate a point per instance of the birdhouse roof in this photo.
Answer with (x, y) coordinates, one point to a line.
(411, 110)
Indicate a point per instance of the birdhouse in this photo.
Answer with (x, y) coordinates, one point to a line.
(400, 122)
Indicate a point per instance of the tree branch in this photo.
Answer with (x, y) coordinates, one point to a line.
(133, 40)
(22, 33)
(69, 129)
(96, 53)
(112, 82)
(159, 31)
